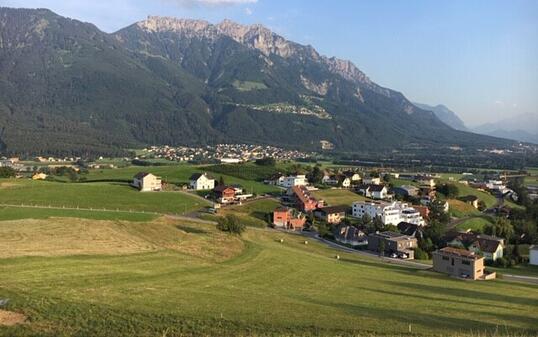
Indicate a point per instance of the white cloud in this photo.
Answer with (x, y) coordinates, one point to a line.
(248, 11)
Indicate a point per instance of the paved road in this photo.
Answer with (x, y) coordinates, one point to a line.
(406, 263)
(520, 278)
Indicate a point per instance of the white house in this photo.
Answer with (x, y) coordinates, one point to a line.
(533, 255)
(296, 180)
(201, 181)
(378, 191)
(371, 180)
(147, 182)
(353, 176)
(390, 213)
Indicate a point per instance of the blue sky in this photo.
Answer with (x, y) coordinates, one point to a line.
(480, 58)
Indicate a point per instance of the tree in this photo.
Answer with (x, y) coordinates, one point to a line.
(437, 212)
(382, 247)
(451, 191)
(421, 254)
(267, 161)
(7, 172)
(435, 232)
(231, 224)
(365, 220)
(502, 228)
(378, 223)
(221, 181)
(316, 175)
(390, 228)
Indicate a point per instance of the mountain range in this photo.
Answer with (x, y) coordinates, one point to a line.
(523, 127)
(67, 87)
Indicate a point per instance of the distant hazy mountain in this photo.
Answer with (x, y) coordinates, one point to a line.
(522, 127)
(446, 115)
(67, 87)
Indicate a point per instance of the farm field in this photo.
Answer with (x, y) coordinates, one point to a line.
(174, 278)
(103, 195)
(335, 197)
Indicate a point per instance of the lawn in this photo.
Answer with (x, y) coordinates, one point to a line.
(476, 224)
(338, 196)
(178, 174)
(110, 196)
(168, 278)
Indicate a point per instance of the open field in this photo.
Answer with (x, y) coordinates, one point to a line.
(335, 197)
(110, 196)
(180, 279)
(179, 173)
(253, 214)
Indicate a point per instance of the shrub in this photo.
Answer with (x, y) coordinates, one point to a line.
(231, 224)
(420, 254)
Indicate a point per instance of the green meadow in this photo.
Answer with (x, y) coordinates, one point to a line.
(96, 196)
(171, 278)
(180, 174)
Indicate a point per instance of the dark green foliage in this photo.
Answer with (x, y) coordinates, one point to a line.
(437, 212)
(68, 88)
(7, 172)
(231, 224)
(449, 190)
(315, 175)
(502, 228)
(267, 161)
(420, 254)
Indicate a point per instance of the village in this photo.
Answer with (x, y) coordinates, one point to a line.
(388, 221)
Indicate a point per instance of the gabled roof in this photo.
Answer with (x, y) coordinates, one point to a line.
(459, 252)
(222, 188)
(407, 228)
(141, 175)
(376, 188)
(486, 245)
(197, 176)
(333, 209)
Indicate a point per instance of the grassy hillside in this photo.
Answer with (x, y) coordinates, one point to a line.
(177, 174)
(14, 213)
(179, 279)
(110, 196)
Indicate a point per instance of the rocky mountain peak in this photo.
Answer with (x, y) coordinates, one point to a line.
(169, 24)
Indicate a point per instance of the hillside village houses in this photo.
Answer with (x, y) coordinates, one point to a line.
(373, 191)
(490, 247)
(395, 244)
(460, 263)
(371, 181)
(147, 182)
(389, 212)
(288, 218)
(331, 214)
(201, 181)
(294, 180)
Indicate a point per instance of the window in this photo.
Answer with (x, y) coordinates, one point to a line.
(445, 258)
(465, 262)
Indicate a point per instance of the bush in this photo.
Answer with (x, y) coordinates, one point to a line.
(7, 172)
(502, 262)
(420, 254)
(267, 161)
(231, 224)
